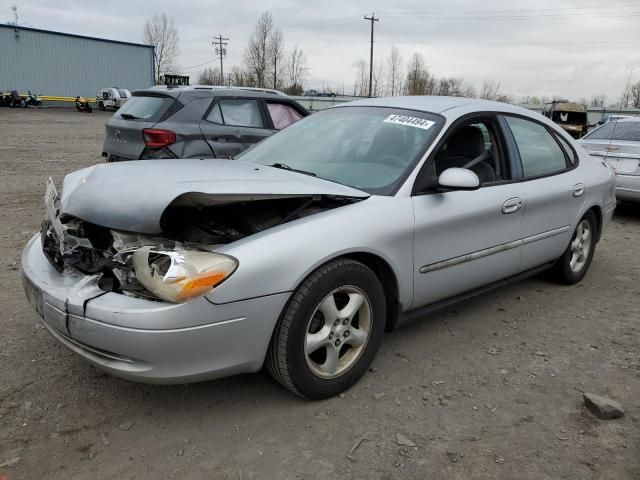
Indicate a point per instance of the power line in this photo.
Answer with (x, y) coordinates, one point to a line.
(594, 15)
(199, 64)
(372, 19)
(509, 43)
(513, 10)
(221, 50)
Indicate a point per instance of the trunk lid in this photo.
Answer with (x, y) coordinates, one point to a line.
(623, 156)
(132, 196)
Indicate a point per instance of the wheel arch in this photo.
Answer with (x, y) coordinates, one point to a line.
(597, 211)
(387, 278)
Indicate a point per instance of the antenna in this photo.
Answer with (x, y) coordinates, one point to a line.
(615, 123)
(14, 9)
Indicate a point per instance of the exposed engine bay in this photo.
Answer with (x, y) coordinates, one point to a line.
(188, 224)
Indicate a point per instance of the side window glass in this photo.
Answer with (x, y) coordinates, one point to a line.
(282, 115)
(567, 148)
(236, 112)
(214, 115)
(539, 152)
(473, 146)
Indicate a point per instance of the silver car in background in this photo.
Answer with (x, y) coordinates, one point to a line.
(300, 253)
(618, 142)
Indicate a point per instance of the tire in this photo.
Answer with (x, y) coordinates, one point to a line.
(101, 106)
(351, 344)
(576, 260)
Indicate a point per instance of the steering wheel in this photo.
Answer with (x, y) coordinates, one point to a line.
(389, 159)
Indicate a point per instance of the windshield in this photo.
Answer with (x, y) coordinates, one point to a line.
(369, 148)
(620, 130)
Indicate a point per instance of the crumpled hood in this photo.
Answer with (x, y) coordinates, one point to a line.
(133, 195)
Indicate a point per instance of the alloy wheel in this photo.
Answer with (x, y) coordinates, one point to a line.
(337, 332)
(580, 246)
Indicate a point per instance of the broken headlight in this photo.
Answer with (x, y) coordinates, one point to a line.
(181, 274)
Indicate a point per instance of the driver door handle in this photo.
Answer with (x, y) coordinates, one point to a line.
(512, 205)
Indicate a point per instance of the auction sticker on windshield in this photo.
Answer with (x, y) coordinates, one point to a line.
(410, 121)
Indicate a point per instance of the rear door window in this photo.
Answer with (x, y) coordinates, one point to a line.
(540, 153)
(282, 115)
(238, 112)
(145, 108)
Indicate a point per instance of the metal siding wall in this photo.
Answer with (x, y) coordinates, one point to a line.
(50, 64)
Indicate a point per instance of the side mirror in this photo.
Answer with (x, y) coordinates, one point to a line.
(458, 179)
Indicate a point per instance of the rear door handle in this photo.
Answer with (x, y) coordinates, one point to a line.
(512, 205)
(578, 189)
(221, 139)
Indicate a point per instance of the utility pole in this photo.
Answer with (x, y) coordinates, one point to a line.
(221, 51)
(372, 19)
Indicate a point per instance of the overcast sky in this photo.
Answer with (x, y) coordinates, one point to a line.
(572, 48)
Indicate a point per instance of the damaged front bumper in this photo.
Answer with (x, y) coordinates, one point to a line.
(145, 340)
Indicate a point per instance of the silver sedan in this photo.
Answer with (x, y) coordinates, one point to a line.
(618, 142)
(300, 253)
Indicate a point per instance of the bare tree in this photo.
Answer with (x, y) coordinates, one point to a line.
(296, 70)
(418, 81)
(378, 79)
(256, 54)
(209, 76)
(160, 31)
(444, 87)
(598, 100)
(634, 95)
(490, 90)
(276, 56)
(361, 86)
(394, 66)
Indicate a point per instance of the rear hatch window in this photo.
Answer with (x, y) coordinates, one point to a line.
(145, 108)
(617, 131)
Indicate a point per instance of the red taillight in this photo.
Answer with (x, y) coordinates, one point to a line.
(156, 138)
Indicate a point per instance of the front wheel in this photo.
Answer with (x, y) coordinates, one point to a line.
(576, 260)
(329, 331)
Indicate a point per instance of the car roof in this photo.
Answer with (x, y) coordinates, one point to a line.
(199, 91)
(448, 107)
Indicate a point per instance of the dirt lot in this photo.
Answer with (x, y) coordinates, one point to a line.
(488, 389)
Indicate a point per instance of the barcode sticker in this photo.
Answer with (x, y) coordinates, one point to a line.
(410, 121)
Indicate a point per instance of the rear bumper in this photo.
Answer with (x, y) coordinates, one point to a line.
(149, 341)
(628, 187)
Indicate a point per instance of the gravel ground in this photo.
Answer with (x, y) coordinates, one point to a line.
(490, 388)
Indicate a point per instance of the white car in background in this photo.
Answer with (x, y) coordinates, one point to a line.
(112, 97)
(618, 142)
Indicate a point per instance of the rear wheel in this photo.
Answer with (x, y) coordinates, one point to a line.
(330, 330)
(576, 260)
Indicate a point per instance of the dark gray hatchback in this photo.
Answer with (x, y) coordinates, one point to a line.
(196, 122)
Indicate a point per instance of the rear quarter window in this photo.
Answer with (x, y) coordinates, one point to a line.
(145, 108)
(282, 114)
